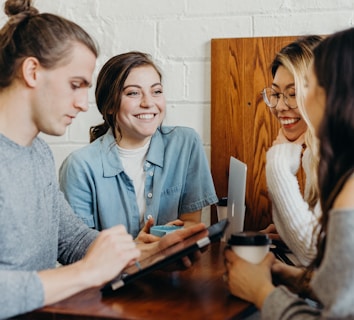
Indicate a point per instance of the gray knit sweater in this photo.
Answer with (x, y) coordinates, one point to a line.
(333, 282)
(37, 226)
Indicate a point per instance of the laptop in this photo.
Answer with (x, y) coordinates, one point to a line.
(236, 197)
(236, 210)
(167, 256)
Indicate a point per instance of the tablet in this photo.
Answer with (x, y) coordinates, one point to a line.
(166, 256)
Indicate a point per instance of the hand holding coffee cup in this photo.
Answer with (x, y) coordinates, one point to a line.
(251, 246)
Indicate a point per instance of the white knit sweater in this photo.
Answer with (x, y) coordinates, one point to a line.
(292, 216)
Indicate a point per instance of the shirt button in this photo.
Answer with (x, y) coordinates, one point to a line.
(151, 173)
(148, 165)
(149, 195)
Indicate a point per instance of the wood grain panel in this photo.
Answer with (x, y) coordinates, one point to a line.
(241, 124)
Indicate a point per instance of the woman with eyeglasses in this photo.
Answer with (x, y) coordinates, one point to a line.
(330, 108)
(294, 214)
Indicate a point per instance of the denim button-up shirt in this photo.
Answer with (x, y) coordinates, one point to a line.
(177, 181)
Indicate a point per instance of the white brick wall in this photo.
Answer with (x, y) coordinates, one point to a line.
(177, 33)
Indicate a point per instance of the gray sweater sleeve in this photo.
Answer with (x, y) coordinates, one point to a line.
(74, 235)
(333, 282)
(37, 225)
(19, 296)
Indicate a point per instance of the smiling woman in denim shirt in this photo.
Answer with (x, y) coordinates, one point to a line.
(135, 171)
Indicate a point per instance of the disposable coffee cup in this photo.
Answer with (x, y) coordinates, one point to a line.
(221, 210)
(251, 246)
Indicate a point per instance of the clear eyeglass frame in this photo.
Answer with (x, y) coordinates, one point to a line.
(271, 97)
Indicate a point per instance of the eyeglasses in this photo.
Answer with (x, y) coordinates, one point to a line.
(271, 97)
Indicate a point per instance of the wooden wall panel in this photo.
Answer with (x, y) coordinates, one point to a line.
(241, 124)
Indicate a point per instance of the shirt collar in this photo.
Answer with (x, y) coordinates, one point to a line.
(156, 152)
(112, 165)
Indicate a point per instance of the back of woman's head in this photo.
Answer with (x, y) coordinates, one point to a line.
(333, 65)
(110, 84)
(334, 70)
(45, 36)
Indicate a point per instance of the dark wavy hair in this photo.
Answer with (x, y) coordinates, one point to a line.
(110, 84)
(334, 70)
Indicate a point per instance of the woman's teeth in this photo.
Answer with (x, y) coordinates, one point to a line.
(145, 116)
(288, 121)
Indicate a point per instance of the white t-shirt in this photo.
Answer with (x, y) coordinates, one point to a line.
(133, 164)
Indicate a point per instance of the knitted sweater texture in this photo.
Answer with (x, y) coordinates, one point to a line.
(37, 225)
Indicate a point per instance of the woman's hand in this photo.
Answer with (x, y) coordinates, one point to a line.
(286, 274)
(271, 231)
(144, 234)
(172, 238)
(251, 282)
(176, 222)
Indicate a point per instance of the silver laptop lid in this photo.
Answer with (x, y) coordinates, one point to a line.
(236, 196)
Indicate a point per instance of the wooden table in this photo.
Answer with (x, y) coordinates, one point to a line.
(196, 293)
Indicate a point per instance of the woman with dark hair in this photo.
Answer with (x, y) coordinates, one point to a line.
(330, 108)
(135, 171)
